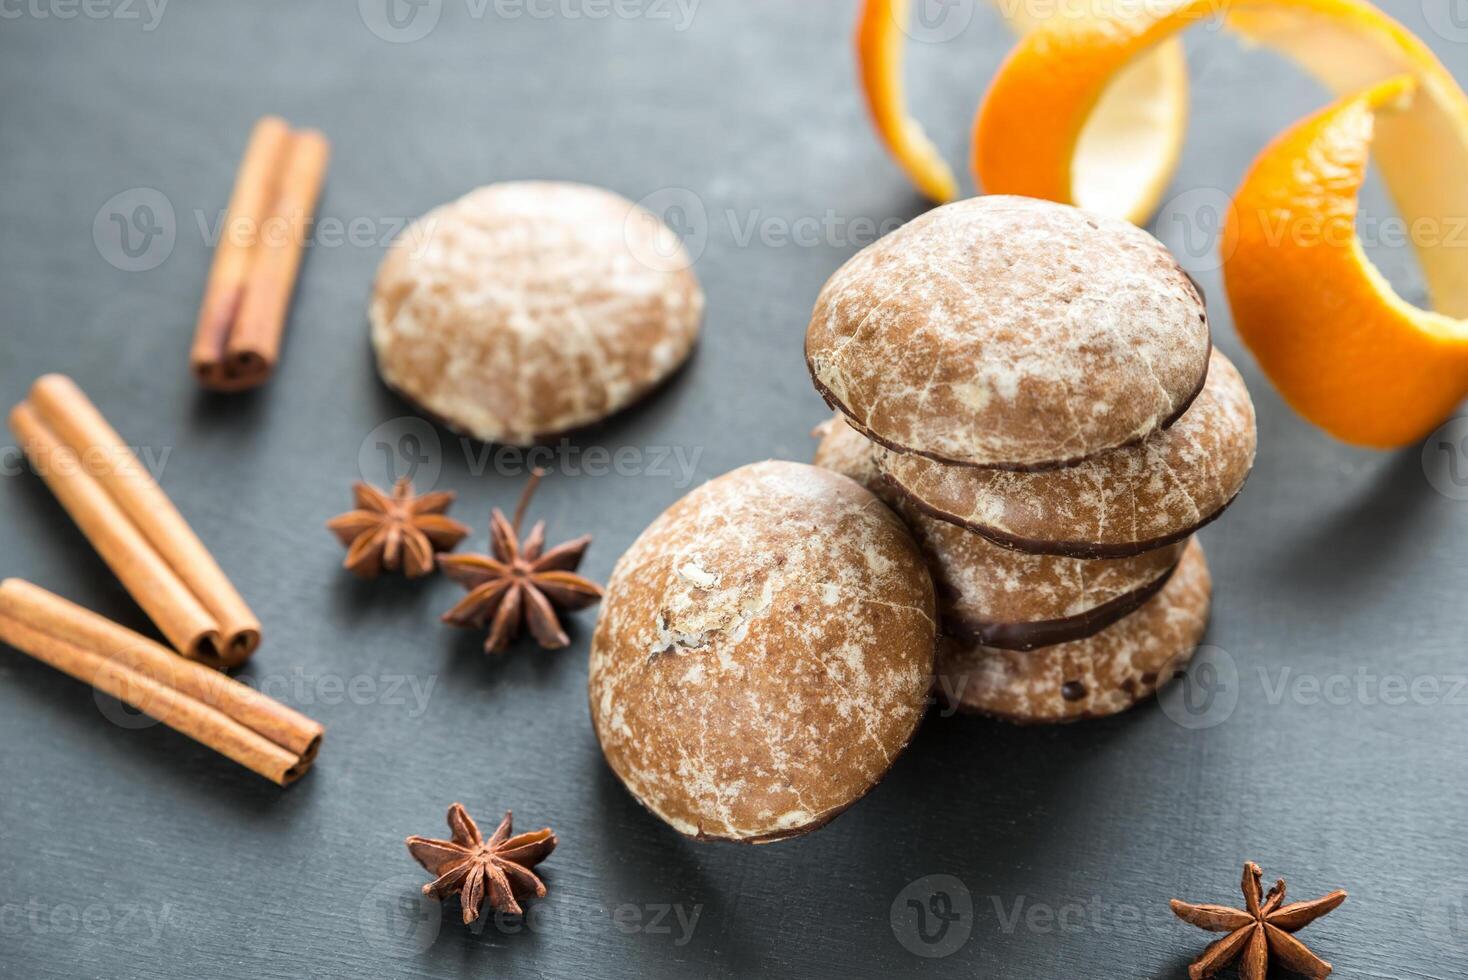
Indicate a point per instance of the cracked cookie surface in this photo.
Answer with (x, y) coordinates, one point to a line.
(763, 654)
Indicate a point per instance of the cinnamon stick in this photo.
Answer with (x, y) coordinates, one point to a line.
(247, 298)
(133, 525)
(34, 607)
(84, 650)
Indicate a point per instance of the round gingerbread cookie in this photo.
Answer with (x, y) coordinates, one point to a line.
(995, 595)
(1100, 675)
(1120, 504)
(525, 309)
(764, 652)
(1010, 332)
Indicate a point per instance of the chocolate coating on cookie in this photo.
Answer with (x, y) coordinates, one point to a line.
(526, 309)
(1009, 332)
(1123, 503)
(763, 653)
(995, 595)
(1089, 678)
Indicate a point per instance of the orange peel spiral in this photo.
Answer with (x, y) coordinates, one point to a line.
(1343, 348)
(1140, 119)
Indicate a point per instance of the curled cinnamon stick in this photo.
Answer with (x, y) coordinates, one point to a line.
(247, 297)
(132, 524)
(216, 711)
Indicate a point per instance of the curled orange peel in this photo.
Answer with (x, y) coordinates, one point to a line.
(1343, 348)
(880, 45)
(1030, 130)
(1141, 119)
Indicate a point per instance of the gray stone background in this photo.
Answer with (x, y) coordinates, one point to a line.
(128, 851)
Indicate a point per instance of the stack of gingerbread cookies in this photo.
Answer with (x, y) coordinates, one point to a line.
(1034, 390)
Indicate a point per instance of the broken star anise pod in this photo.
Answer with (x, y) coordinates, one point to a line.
(1258, 932)
(475, 867)
(396, 532)
(520, 583)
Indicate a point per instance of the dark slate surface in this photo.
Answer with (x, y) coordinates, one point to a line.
(128, 851)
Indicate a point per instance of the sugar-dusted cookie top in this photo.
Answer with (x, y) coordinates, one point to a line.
(1009, 332)
(1114, 505)
(527, 308)
(763, 654)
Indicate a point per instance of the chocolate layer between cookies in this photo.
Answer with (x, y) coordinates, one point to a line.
(996, 595)
(1120, 504)
(1090, 678)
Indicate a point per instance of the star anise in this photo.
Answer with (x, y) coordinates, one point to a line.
(470, 865)
(521, 583)
(398, 531)
(1258, 932)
